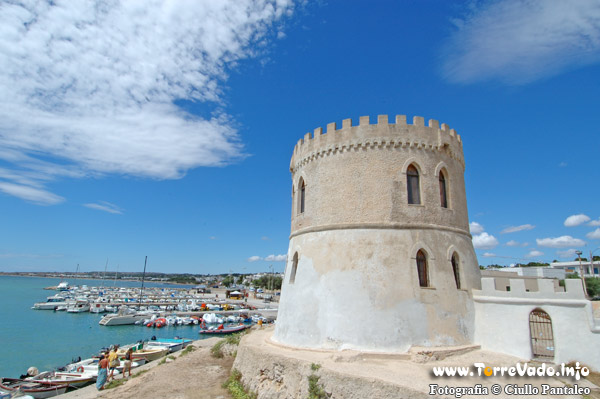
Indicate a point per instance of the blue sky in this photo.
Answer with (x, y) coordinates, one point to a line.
(166, 129)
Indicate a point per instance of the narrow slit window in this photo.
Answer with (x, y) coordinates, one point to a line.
(443, 193)
(294, 268)
(412, 183)
(422, 269)
(301, 199)
(456, 270)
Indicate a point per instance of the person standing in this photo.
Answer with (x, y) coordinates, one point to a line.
(127, 366)
(102, 372)
(113, 362)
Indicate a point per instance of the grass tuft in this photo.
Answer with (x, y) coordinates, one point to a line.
(235, 387)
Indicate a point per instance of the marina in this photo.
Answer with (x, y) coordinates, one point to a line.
(49, 339)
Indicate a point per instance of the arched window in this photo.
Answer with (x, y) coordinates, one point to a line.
(456, 270)
(412, 185)
(422, 269)
(443, 194)
(294, 268)
(302, 194)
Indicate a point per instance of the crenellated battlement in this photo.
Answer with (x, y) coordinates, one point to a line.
(383, 134)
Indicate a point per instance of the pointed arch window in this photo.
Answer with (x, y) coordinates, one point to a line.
(456, 269)
(443, 191)
(412, 185)
(294, 268)
(301, 195)
(422, 269)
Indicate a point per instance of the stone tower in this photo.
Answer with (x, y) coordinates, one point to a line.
(380, 255)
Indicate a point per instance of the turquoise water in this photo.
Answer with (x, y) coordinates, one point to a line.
(47, 339)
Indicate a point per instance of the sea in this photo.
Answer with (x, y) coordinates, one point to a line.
(47, 339)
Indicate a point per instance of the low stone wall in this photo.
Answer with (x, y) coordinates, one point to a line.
(274, 376)
(274, 371)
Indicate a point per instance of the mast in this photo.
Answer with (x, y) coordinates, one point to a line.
(116, 274)
(143, 278)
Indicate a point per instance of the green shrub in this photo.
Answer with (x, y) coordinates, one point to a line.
(217, 349)
(315, 390)
(235, 387)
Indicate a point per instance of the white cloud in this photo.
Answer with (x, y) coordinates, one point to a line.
(519, 41)
(513, 243)
(562, 164)
(475, 228)
(276, 258)
(560, 242)
(514, 229)
(534, 254)
(489, 255)
(91, 89)
(484, 241)
(265, 238)
(576, 220)
(30, 193)
(594, 223)
(270, 258)
(594, 235)
(106, 207)
(569, 253)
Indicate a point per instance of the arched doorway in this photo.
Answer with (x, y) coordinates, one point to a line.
(542, 336)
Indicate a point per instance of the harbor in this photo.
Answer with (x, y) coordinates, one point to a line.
(47, 339)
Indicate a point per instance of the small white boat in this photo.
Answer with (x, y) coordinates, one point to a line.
(78, 307)
(38, 390)
(122, 317)
(75, 380)
(97, 307)
(147, 354)
(52, 302)
(171, 346)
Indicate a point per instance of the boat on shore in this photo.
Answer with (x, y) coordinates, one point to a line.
(34, 388)
(221, 329)
(147, 353)
(75, 380)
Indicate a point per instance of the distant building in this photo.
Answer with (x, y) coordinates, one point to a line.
(590, 269)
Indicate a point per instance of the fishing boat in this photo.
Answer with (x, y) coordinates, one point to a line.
(221, 329)
(75, 380)
(170, 346)
(184, 341)
(33, 388)
(147, 354)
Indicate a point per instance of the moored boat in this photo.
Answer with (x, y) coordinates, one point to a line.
(147, 354)
(33, 388)
(75, 380)
(122, 317)
(221, 329)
